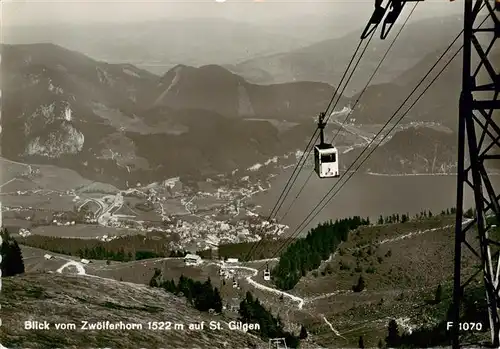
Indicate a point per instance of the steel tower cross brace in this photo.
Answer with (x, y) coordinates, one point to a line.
(478, 109)
(478, 116)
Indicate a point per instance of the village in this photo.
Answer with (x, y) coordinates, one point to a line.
(217, 212)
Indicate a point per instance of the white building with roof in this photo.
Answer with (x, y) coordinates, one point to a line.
(192, 259)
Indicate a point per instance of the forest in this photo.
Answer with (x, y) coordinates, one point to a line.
(203, 296)
(137, 247)
(12, 257)
(252, 311)
(306, 254)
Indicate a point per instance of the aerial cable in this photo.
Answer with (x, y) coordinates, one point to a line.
(311, 216)
(354, 106)
(339, 95)
(314, 138)
(368, 145)
(375, 72)
(404, 114)
(326, 120)
(298, 230)
(390, 130)
(303, 157)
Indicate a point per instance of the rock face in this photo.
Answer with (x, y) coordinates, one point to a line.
(57, 298)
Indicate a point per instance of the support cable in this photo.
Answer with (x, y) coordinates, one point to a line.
(298, 230)
(354, 106)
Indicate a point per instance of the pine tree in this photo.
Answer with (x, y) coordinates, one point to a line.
(360, 286)
(244, 310)
(17, 259)
(303, 332)
(392, 338)
(189, 297)
(217, 305)
(439, 294)
(361, 343)
(249, 297)
(12, 257)
(380, 220)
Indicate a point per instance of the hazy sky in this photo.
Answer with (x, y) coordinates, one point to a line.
(20, 12)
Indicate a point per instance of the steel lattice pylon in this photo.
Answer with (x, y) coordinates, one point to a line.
(479, 133)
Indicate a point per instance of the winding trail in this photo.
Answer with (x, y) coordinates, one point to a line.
(300, 301)
(9, 181)
(381, 242)
(337, 333)
(254, 283)
(412, 234)
(78, 265)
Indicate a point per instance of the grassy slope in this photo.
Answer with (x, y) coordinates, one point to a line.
(64, 298)
(399, 287)
(399, 284)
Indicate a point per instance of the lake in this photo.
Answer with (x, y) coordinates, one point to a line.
(364, 195)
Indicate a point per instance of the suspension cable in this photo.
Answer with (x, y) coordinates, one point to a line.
(298, 230)
(303, 157)
(354, 106)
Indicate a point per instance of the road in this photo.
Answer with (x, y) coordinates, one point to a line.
(99, 202)
(251, 281)
(335, 116)
(106, 214)
(9, 181)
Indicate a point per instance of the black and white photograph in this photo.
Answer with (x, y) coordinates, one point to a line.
(270, 174)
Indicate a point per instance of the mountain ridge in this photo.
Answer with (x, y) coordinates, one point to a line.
(57, 107)
(324, 62)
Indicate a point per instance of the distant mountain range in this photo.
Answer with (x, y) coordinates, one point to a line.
(439, 104)
(216, 89)
(326, 60)
(160, 45)
(112, 122)
(116, 123)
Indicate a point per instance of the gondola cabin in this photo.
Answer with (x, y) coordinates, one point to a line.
(326, 161)
(267, 275)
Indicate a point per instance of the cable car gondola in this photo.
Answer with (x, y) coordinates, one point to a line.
(326, 156)
(267, 274)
